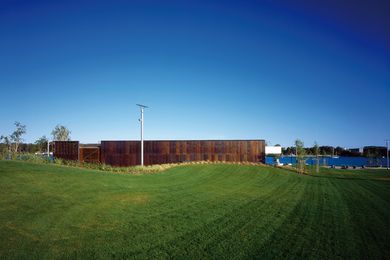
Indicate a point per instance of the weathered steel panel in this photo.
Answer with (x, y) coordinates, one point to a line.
(67, 150)
(89, 154)
(127, 153)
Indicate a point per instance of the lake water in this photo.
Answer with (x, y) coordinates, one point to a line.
(340, 161)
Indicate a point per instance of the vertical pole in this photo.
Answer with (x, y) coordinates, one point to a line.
(387, 153)
(142, 136)
(48, 147)
(142, 132)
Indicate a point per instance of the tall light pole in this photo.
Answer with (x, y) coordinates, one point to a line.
(142, 107)
(387, 152)
(48, 147)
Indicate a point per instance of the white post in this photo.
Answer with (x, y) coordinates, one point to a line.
(48, 147)
(142, 132)
(142, 136)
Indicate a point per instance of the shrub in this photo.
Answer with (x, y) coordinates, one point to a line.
(34, 158)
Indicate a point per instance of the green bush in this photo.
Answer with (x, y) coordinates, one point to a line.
(104, 167)
(28, 157)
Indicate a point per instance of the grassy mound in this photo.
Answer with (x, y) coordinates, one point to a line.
(197, 211)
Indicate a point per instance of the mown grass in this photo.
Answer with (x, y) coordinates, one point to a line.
(192, 211)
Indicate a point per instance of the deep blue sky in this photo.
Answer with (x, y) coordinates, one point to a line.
(274, 70)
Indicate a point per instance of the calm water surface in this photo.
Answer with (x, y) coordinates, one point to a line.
(340, 161)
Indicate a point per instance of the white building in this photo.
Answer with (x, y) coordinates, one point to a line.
(273, 150)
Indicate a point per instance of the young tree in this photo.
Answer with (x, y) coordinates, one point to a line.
(61, 133)
(16, 136)
(13, 141)
(42, 143)
(300, 156)
(317, 154)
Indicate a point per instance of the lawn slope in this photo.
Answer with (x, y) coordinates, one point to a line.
(199, 211)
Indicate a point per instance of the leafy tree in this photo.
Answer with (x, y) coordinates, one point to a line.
(6, 145)
(373, 154)
(288, 150)
(13, 141)
(374, 151)
(3, 150)
(16, 136)
(339, 151)
(326, 150)
(28, 148)
(41, 143)
(61, 133)
(300, 156)
(316, 149)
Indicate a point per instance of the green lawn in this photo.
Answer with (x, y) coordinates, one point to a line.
(199, 211)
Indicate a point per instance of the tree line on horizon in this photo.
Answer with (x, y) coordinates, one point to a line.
(12, 144)
(368, 151)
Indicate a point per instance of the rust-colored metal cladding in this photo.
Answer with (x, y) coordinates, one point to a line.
(127, 153)
(89, 154)
(120, 153)
(67, 150)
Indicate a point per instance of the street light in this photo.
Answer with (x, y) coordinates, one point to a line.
(142, 107)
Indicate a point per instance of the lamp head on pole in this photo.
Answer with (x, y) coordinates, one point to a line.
(142, 106)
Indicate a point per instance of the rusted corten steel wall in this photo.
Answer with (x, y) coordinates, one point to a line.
(89, 154)
(67, 150)
(127, 153)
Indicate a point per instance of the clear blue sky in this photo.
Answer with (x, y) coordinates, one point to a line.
(274, 70)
